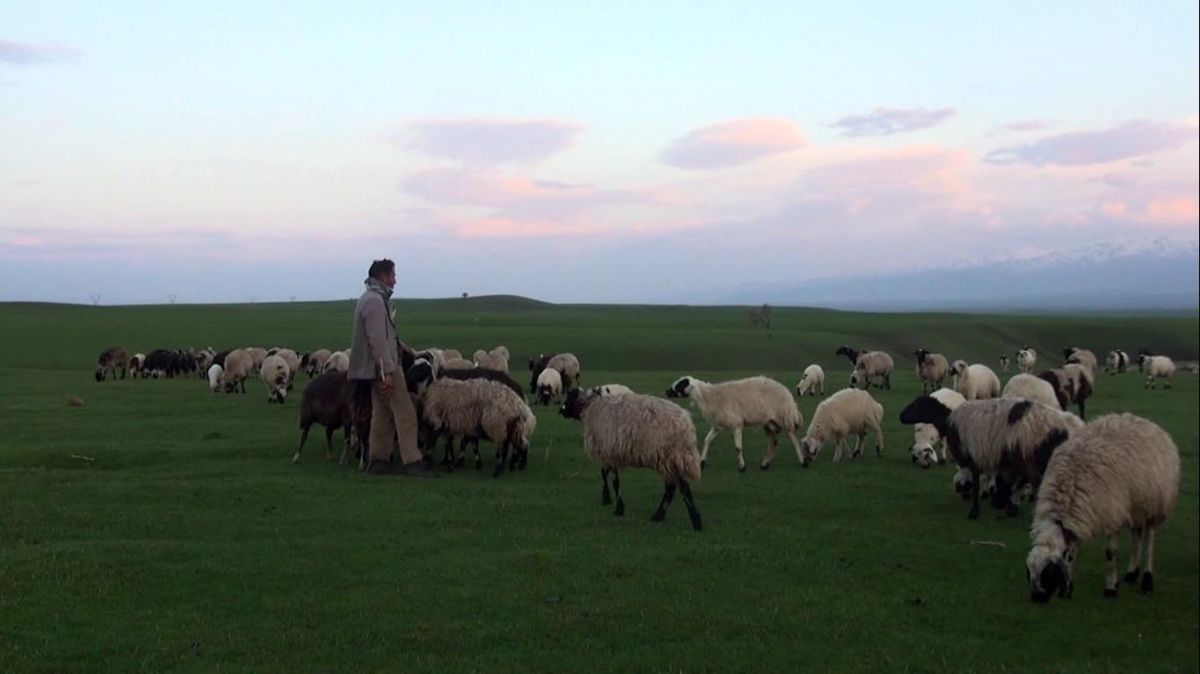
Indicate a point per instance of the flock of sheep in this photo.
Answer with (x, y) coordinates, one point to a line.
(1091, 479)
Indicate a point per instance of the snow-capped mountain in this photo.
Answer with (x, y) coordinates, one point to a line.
(1149, 274)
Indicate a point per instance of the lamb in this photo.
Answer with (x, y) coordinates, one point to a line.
(1032, 388)
(932, 369)
(975, 382)
(338, 361)
(1026, 359)
(848, 412)
(754, 401)
(1158, 367)
(215, 375)
(277, 375)
(926, 437)
(869, 364)
(639, 431)
(1072, 384)
(239, 364)
(112, 359)
(568, 366)
(1116, 362)
(812, 382)
(1004, 362)
(536, 365)
(493, 360)
(328, 400)
(1074, 354)
(313, 362)
(549, 385)
(612, 390)
(479, 408)
(1008, 438)
(1119, 472)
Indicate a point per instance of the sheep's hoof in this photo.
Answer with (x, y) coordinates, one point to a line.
(765, 466)
(974, 514)
(742, 468)
(657, 516)
(1110, 592)
(1132, 576)
(620, 510)
(1147, 583)
(941, 462)
(296, 458)
(702, 462)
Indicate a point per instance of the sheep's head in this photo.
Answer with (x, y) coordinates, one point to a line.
(419, 376)
(576, 402)
(1050, 568)
(958, 368)
(682, 388)
(923, 455)
(858, 376)
(100, 373)
(921, 354)
(926, 410)
(809, 448)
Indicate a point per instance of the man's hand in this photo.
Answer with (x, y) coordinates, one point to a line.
(386, 384)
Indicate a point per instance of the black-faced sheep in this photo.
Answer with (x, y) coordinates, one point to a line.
(1072, 384)
(162, 363)
(313, 362)
(849, 412)
(733, 405)
(812, 382)
(639, 431)
(868, 364)
(1119, 472)
(1116, 362)
(975, 382)
(549, 387)
(112, 359)
(932, 369)
(1004, 362)
(1074, 354)
(536, 365)
(927, 439)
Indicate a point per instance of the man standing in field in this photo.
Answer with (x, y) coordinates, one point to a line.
(375, 363)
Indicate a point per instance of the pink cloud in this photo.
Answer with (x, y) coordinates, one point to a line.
(515, 195)
(733, 143)
(1083, 148)
(889, 121)
(488, 142)
(1180, 211)
(25, 54)
(1027, 125)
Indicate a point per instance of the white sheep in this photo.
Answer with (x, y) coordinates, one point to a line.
(926, 437)
(1010, 439)
(291, 358)
(277, 375)
(1074, 354)
(812, 382)
(1116, 362)
(338, 361)
(137, 364)
(975, 382)
(639, 431)
(1032, 388)
(257, 356)
(848, 412)
(479, 408)
(612, 390)
(1026, 359)
(1158, 367)
(754, 401)
(932, 369)
(215, 375)
(568, 366)
(549, 385)
(493, 360)
(1119, 472)
(1004, 362)
(458, 364)
(868, 364)
(239, 364)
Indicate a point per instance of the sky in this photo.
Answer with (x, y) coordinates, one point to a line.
(577, 151)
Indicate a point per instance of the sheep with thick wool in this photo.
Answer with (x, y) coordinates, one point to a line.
(479, 408)
(277, 375)
(216, 375)
(110, 361)
(549, 387)
(975, 382)
(932, 369)
(1032, 388)
(1119, 472)
(1026, 359)
(868, 364)
(733, 405)
(1072, 385)
(849, 412)
(927, 439)
(338, 361)
(257, 356)
(1010, 439)
(1116, 362)
(239, 364)
(1074, 354)
(496, 359)
(313, 362)
(812, 382)
(612, 390)
(639, 431)
(568, 366)
(1158, 367)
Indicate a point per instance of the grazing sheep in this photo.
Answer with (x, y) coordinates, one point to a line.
(493, 360)
(812, 382)
(754, 401)
(338, 361)
(204, 360)
(639, 431)
(568, 366)
(161, 363)
(975, 382)
(1004, 362)
(1116, 362)
(313, 362)
(215, 375)
(257, 356)
(926, 437)
(479, 408)
(549, 386)
(868, 364)
(1072, 384)
(137, 365)
(848, 412)
(328, 400)
(1119, 472)
(458, 364)
(112, 359)
(1026, 359)
(1074, 354)
(612, 390)
(277, 375)
(239, 364)
(1008, 438)
(1032, 388)
(932, 369)
(1158, 367)
(536, 365)
(290, 357)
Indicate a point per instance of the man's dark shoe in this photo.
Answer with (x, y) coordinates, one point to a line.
(382, 468)
(417, 469)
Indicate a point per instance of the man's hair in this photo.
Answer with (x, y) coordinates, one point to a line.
(380, 267)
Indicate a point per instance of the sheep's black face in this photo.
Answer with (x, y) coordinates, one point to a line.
(680, 388)
(925, 410)
(100, 374)
(1048, 575)
(572, 408)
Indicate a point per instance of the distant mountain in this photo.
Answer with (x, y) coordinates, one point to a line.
(1148, 274)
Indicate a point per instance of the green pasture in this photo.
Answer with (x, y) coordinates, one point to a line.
(163, 528)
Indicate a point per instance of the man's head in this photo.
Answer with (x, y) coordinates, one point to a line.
(383, 270)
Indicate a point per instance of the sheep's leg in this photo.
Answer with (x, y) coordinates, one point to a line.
(329, 443)
(772, 447)
(693, 513)
(887, 381)
(837, 449)
(605, 497)
(1082, 413)
(942, 460)
(1110, 578)
(1135, 555)
(796, 445)
(860, 442)
(303, 437)
(878, 441)
(501, 458)
(345, 444)
(478, 458)
(974, 514)
(620, 509)
(737, 447)
(712, 433)
(447, 450)
(1148, 576)
(668, 495)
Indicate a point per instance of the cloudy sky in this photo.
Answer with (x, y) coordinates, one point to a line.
(617, 151)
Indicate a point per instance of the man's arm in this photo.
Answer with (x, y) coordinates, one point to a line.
(375, 323)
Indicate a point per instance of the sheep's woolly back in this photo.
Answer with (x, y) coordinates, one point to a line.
(1160, 366)
(290, 357)
(338, 360)
(275, 371)
(567, 365)
(1032, 388)
(813, 379)
(457, 364)
(1083, 357)
(754, 401)
(491, 360)
(641, 431)
(874, 363)
(1010, 433)
(933, 368)
(1119, 471)
(976, 382)
(257, 356)
(477, 408)
(612, 390)
(848, 412)
(238, 365)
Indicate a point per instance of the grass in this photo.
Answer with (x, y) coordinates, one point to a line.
(191, 543)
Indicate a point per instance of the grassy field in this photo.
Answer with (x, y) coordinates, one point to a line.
(191, 542)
